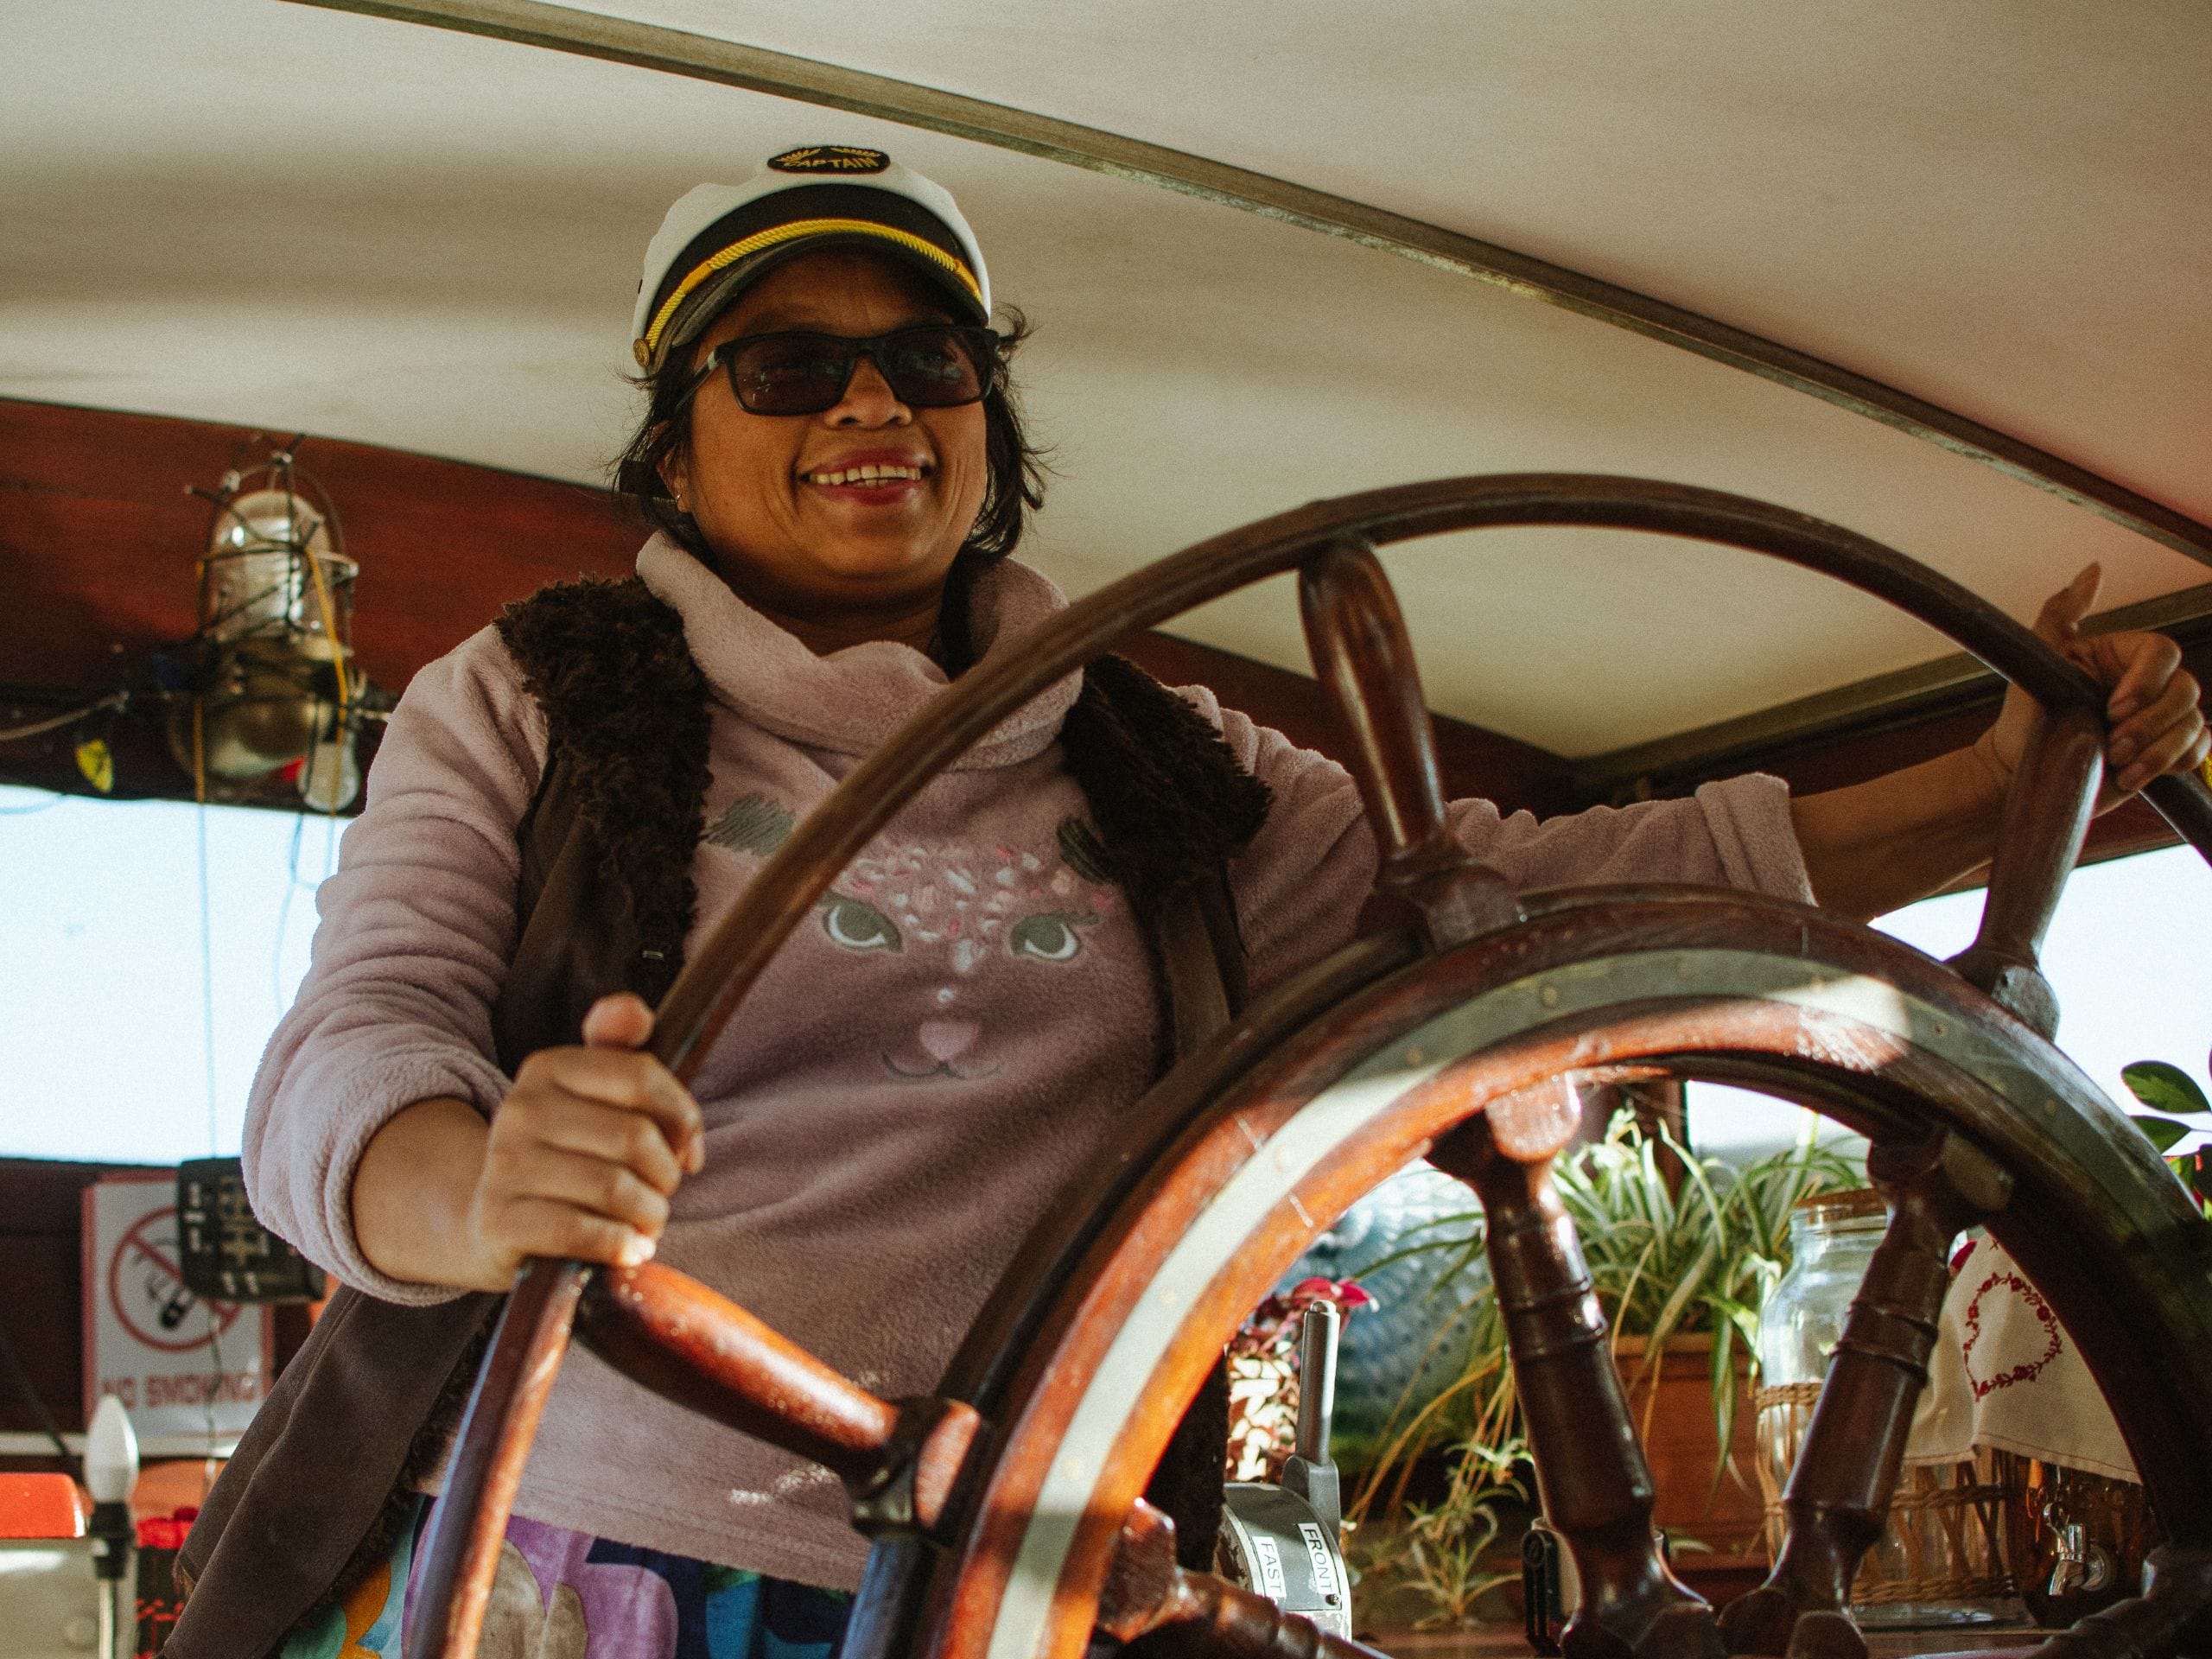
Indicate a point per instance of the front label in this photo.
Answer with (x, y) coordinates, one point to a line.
(1324, 1567)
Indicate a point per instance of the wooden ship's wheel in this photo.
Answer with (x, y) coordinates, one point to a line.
(1005, 1510)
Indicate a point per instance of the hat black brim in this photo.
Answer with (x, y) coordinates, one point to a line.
(719, 292)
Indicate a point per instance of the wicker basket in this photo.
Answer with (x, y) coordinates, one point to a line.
(1942, 1560)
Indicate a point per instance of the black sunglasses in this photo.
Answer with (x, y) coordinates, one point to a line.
(937, 365)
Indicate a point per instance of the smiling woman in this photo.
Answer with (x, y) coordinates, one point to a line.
(862, 307)
(833, 457)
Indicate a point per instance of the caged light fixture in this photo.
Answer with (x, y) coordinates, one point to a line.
(264, 698)
(271, 668)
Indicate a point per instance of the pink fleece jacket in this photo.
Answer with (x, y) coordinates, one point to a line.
(917, 1074)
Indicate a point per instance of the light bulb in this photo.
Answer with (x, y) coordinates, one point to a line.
(111, 1453)
(331, 777)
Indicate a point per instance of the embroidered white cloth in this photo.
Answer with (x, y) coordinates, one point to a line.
(2006, 1375)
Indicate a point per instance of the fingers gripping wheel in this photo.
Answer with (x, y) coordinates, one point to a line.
(678, 1337)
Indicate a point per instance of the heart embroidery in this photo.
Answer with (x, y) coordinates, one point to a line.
(2025, 1371)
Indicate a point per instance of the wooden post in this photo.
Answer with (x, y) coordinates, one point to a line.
(1596, 1486)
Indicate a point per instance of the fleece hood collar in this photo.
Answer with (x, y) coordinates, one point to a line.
(849, 700)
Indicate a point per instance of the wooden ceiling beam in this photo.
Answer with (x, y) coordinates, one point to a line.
(100, 540)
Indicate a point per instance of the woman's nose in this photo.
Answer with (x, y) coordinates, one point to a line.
(869, 399)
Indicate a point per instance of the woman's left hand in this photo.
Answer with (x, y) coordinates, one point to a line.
(2152, 701)
(1870, 847)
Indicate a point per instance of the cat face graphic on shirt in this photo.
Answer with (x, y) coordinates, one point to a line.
(969, 915)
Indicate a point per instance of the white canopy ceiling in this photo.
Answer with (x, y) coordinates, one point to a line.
(252, 211)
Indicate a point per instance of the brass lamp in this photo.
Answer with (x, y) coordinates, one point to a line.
(275, 681)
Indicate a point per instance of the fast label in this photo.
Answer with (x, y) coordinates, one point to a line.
(1324, 1569)
(1269, 1559)
(182, 1367)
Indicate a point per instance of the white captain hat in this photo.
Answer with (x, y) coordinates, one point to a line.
(720, 238)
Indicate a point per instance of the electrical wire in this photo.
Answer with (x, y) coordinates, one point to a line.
(206, 919)
(39, 1414)
(284, 910)
(40, 728)
(329, 611)
(206, 979)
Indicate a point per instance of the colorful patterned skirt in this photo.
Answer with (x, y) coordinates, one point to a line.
(566, 1595)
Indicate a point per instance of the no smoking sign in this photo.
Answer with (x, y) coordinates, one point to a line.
(147, 1289)
(182, 1366)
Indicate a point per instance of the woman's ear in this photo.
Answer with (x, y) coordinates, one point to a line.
(675, 470)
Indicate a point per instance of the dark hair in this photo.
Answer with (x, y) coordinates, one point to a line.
(1015, 468)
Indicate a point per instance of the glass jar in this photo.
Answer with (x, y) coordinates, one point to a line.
(1832, 1238)
(1941, 1560)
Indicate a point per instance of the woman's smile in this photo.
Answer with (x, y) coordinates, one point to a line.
(870, 470)
(870, 478)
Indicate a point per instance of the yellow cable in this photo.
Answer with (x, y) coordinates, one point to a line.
(329, 624)
(198, 760)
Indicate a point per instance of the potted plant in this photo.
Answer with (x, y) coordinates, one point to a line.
(1681, 1266)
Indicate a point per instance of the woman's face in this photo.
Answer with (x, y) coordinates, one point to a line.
(760, 486)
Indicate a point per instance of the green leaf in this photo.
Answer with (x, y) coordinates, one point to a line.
(2160, 1132)
(2163, 1088)
(1692, 1281)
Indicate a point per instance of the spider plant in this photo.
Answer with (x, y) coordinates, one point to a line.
(1669, 1258)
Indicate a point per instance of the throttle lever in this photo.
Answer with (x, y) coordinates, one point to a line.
(1309, 1470)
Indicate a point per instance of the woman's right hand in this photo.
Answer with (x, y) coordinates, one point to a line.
(585, 1150)
(579, 1162)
